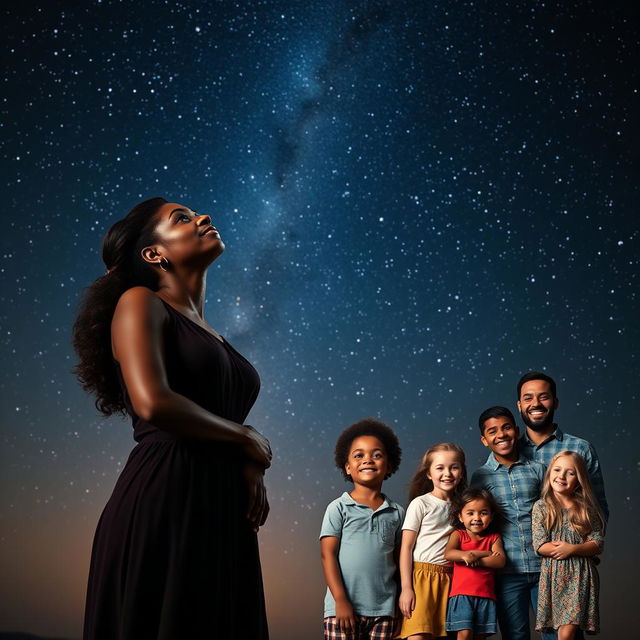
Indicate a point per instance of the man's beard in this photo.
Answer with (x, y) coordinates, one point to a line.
(539, 426)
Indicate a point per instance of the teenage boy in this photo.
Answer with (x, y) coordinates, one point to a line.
(360, 538)
(515, 482)
(537, 403)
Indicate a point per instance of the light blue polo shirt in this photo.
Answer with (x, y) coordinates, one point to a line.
(366, 555)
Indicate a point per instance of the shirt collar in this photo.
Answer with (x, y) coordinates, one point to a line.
(345, 498)
(557, 434)
(494, 465)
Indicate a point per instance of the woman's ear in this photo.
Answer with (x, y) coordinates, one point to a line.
(151, 255)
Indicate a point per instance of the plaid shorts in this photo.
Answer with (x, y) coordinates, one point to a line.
(367, 628)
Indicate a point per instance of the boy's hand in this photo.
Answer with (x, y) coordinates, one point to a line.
(345, 617)
(562, 550)
(407, 602)
(470, 559)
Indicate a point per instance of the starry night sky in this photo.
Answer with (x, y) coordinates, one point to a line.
(420, 201)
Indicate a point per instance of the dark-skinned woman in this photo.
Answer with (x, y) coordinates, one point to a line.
(175, 553)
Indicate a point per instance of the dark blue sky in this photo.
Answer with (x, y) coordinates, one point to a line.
(420, 202)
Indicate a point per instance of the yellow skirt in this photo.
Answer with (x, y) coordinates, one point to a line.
(431, 584)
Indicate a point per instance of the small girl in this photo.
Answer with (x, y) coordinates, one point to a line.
(568, 531)
(476, 552)
(424, 571)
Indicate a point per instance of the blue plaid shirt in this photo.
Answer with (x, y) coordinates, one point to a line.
(516, 489)
(559, 441)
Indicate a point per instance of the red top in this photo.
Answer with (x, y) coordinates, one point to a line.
(473, 581)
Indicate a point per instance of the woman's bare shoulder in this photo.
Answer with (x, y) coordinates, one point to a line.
(139, 301)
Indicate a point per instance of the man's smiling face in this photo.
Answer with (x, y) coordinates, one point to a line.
(537, 404)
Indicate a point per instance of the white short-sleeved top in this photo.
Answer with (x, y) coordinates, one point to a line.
(428, 516)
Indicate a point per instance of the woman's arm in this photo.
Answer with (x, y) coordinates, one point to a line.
(136, 333)
(345, 616)
(407, 596)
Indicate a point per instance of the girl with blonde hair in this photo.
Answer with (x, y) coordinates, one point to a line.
(568, 531)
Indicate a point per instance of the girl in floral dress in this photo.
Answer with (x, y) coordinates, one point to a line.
(568, 531)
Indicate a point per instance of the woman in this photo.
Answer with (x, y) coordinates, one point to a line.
(175, 553)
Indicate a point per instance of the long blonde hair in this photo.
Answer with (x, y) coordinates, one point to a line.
(421, 484)
(581, 517)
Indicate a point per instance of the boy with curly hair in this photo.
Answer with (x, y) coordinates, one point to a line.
(360, 537)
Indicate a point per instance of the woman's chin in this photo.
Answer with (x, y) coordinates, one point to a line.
(215, 251)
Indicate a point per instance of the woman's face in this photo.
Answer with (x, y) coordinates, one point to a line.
(185, 237)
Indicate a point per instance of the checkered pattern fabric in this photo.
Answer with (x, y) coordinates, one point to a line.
(516, 489)
(559, 441)
(367, 628)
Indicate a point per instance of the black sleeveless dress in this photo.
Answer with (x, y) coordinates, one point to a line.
(174, 555)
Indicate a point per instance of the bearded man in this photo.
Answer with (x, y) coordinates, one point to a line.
(537, 403)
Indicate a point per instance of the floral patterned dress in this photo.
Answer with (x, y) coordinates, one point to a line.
(568, 592)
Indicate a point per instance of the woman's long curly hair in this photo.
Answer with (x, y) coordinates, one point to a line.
(121, 253)
(586, 510)
(421, 484)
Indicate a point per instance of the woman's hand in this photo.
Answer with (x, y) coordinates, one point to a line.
(258, 448)
(407, 602)
(258, 505)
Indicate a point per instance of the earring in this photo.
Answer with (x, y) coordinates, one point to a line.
(164, 264)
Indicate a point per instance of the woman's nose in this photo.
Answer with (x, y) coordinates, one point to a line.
(204, 219)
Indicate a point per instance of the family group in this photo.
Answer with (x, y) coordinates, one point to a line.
(468, 556)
